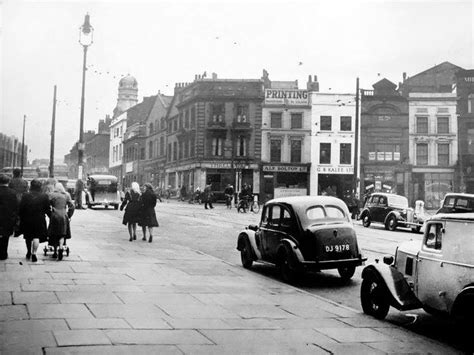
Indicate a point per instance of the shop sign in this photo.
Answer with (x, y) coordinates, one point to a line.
(283, 192)
(335, 169)
(387, 187)
(285, 168)
(286, 97)
(219, 165)
(378, 185)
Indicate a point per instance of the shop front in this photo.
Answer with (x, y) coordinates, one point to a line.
(280, 180)
(431, 187)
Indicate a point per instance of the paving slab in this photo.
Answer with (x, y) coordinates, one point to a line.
(63, 311)
(87, 297)
(34, 297)
(5, 298)
(115, 350)
(352, 335)
(33, 325)
(81, 337)
(26, 339)
(247, 348)
(164, 337)
(97, 323)
(13, 312)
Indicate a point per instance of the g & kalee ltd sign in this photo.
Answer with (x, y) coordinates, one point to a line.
(286, 97)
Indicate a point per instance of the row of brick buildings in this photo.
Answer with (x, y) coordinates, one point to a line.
(415, 138)
(10, 152)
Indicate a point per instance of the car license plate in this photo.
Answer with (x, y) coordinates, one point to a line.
(337, 248)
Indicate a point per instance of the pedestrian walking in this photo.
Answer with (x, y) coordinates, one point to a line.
(34, 207)
(18, 184)
(131, 203)
(182, 193)
(8, 214)
(147, 211)
(229, 193)
(207, 198)
(59, 229)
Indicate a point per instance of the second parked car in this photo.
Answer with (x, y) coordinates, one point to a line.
(392, 211)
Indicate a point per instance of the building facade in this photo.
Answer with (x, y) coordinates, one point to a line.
(465, 111)
(286, 141)
(10, 152)
(384, 159)
(214, 134)
(332, 144)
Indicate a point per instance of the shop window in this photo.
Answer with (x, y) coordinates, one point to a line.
(346, 123)
(443, 154)
(422, 154)
(296, 120)
(275, 150)
(275, 120)
(326, 123)
(216, 148)
(443, 124)
(217, 112)
(325, 153)
(422, 124)
(242, 113)
(295, 151)
(241, 146)
(345, 153)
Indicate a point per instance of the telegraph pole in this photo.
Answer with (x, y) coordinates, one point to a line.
(356, 144)
(51, 153)
(23, 146)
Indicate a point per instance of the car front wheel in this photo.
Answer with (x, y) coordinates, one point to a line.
(373, 297)
(346, 273)
(246, 255)
(366, 221)
(391, 223)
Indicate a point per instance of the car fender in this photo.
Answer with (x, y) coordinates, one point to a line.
(249, 235)
(365, 212)
(400, 293)
(290, 245)
(390, 214)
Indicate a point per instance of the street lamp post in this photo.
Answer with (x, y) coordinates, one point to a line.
(86, 32)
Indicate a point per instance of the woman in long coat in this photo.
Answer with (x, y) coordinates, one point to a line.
(131, 203)
(148, 215)
(34, 207)
(62, 210)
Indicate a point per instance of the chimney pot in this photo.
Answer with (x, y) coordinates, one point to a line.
(309, 78)
(404, 76)
(315, 78)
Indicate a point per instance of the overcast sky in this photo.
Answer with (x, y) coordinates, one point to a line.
(161, 43)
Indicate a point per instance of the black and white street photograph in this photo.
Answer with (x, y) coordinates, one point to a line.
(236, 177)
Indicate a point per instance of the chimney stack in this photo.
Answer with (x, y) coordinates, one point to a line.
(214, 76)
(313, 85)
(404, 76)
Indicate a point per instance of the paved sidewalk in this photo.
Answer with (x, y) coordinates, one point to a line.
(112, 296)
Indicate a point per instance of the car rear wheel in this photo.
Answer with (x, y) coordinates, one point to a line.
(373, 297)
(346, 273)
(391, 223)
(366, 221)
(246, 254)
(287, 268)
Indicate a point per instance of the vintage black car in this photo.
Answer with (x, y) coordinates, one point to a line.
(457, 203)
(302, 233)
(392, 211)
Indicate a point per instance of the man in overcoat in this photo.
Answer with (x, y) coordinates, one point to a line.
(8, 214)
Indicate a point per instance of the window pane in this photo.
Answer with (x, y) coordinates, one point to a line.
(345, 153)
(325, 153)
(346, 123)
(296, 120)
(443, 124)
(275, 120)
(295, 151)
(443, 154)
(422, 125)
(326, 123)
(275, 150)
(422, 154)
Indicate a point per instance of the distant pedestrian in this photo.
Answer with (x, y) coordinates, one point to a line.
(131, 203)
(18, 184)
(34, 207)
(207, 197)
(59, 228)
(182, 193)
(79, 190)
(147, 212)
(8, 214)
(229, 193)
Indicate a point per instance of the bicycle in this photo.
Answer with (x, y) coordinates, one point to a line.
(246, 203)
(228, 201)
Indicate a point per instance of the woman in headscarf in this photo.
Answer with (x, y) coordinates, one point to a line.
(34, 207)
(148, 215)
(62, 210)
(131, 203)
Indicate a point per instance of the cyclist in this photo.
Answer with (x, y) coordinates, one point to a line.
(248, 195)
(229, 193)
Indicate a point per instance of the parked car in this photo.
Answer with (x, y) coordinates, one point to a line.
(302, 233)
(457, 203)
(392, 211)
(436, 274)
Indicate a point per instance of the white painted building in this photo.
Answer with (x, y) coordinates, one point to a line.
(332, 143)
(433, 145)
(286, 143)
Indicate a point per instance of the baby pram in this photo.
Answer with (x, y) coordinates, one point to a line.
(50, 248)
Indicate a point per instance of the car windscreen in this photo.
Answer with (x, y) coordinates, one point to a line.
(321, 214)
(398, 201)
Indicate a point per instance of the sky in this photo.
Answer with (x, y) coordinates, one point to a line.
(161, 43)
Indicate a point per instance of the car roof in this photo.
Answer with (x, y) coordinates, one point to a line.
(458, 194)
(459, 216)
(307, 200)
(386, 194)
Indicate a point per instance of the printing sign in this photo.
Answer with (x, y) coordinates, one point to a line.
(286, 97)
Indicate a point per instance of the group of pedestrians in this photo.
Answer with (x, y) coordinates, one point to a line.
(140, 209)
(23, 211)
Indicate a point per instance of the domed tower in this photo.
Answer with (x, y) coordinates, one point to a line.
(127, 94)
